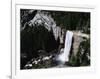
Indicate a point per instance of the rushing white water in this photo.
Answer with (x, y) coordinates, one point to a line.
(64, 56)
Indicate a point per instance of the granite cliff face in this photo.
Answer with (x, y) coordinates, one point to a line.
(45, 19)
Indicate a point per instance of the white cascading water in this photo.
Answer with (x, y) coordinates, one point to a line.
(64, 57)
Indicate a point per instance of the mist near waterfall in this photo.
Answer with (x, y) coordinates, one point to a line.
(64, 56)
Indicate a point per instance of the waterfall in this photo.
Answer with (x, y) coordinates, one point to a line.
(64, 56)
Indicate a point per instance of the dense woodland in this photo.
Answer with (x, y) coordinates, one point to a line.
(37, 41)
